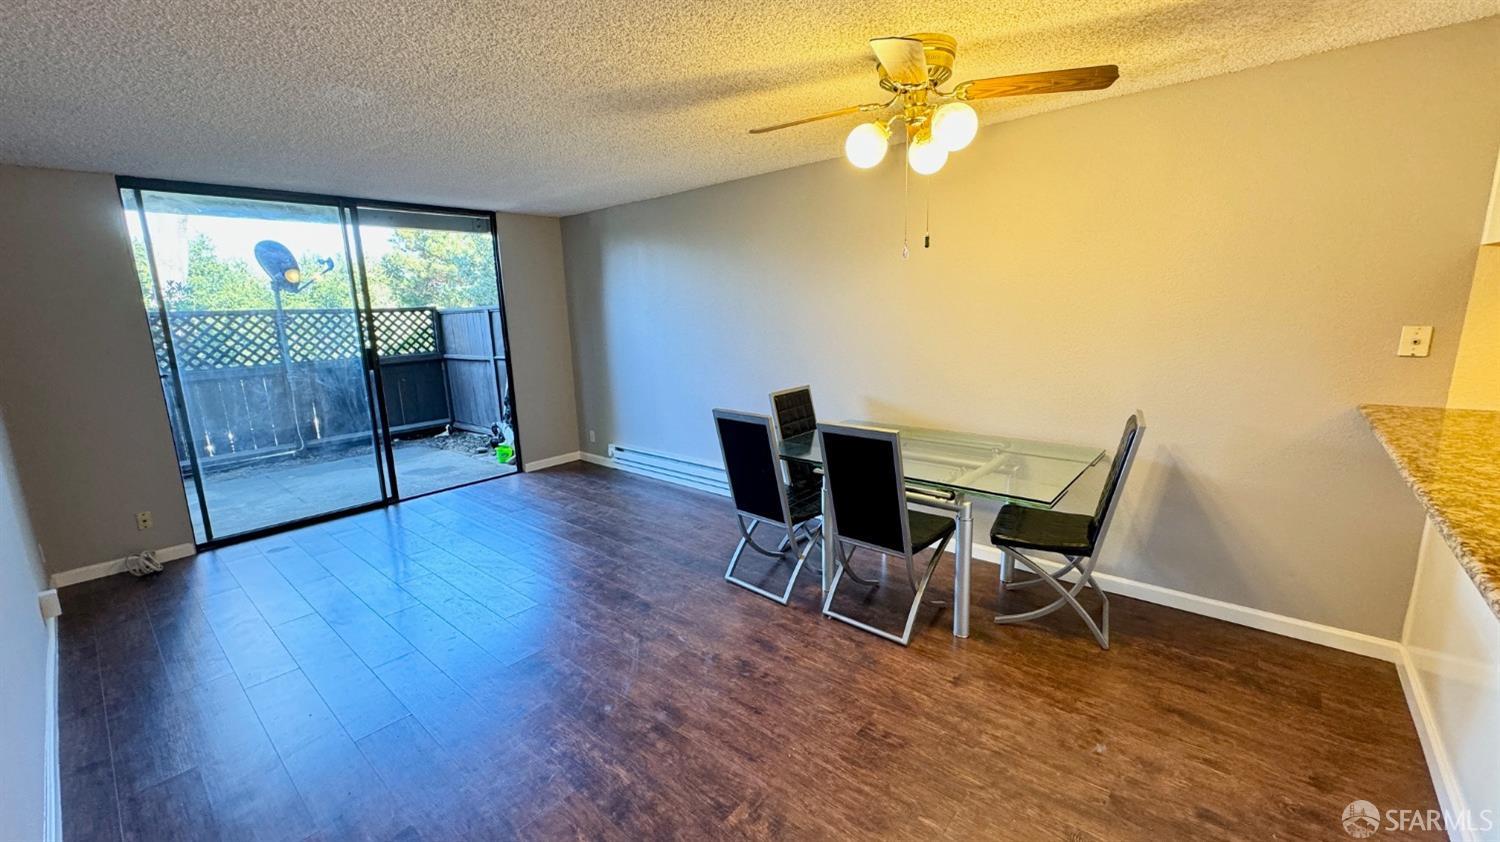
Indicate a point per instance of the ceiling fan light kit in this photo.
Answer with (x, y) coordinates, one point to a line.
(954, 125)
(913, 69)
(866, 144)
(925, 155)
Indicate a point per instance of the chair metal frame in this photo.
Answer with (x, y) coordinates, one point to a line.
(809, 530)
(838, 542)
(1084, 565)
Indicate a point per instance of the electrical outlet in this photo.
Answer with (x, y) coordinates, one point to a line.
(1416, 341)
(142, 521)
(591, 437)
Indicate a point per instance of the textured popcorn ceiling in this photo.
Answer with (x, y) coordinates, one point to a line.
(565, 106)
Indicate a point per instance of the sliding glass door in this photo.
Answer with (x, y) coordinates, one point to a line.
(319, 356)
(444, 380)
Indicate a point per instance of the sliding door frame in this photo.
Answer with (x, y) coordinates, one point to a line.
(374, 377)
(348, 212)
(168, 344)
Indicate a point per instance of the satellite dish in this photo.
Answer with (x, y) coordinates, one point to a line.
(277, 262)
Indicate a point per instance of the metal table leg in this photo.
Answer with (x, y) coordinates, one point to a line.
(963, 557)
(827, 543)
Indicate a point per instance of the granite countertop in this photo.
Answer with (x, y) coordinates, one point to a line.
(1451, 459)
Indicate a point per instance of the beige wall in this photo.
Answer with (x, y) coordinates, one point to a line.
(536, 308)
(1491, 235)
(77, 375)
(1476, 371)
(1234, 256)
(78, 379)
(23, 663)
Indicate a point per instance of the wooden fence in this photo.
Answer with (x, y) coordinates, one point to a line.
(248, 397)
(473, 349)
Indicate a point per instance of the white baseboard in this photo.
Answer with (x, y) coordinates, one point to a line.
(1444, 779)
(553, 461)
(1330, 636)
(52, 762)
(113, 566)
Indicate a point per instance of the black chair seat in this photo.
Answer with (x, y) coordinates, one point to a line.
(1042, 529)
(927, 529)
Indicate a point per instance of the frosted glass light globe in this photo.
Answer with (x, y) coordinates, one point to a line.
(926, 156)
(865, 147)
(954, 125)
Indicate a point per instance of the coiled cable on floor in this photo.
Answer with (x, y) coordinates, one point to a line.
(143, 563)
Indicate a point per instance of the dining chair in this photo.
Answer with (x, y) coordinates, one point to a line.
(752, 465)
(862, 466)
(1075, 536)
(793, 410)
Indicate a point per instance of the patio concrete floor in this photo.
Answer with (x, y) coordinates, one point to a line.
(283, 489)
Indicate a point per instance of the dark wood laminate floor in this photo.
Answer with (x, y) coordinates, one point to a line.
(556, 655)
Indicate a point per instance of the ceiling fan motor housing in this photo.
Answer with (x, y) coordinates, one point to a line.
(938, 50)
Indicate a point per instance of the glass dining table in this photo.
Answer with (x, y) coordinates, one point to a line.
(946, 470)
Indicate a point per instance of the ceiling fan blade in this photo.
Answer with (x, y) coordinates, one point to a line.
(902, 58)
(853, 109)
(1048, 82)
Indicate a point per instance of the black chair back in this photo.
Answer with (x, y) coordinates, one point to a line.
(793, 409)
(862, 467)
(750, 461)
(1124, 455)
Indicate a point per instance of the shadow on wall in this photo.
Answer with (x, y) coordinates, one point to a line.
(584, 267)
(1173, 529)
(878, 410)
(1179, 534)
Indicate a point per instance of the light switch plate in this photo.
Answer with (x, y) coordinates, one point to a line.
(1416, 341)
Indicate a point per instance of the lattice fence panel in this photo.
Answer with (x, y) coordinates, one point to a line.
(204, 341)
(158, 345)
(210, 340)
(314, 335)
(406, 332)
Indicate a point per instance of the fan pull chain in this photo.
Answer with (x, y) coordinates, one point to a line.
(927, 224)
(906, 200)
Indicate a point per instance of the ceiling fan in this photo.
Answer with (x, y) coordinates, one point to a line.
(913, 68)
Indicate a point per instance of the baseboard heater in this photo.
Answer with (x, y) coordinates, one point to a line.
(668, 468)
